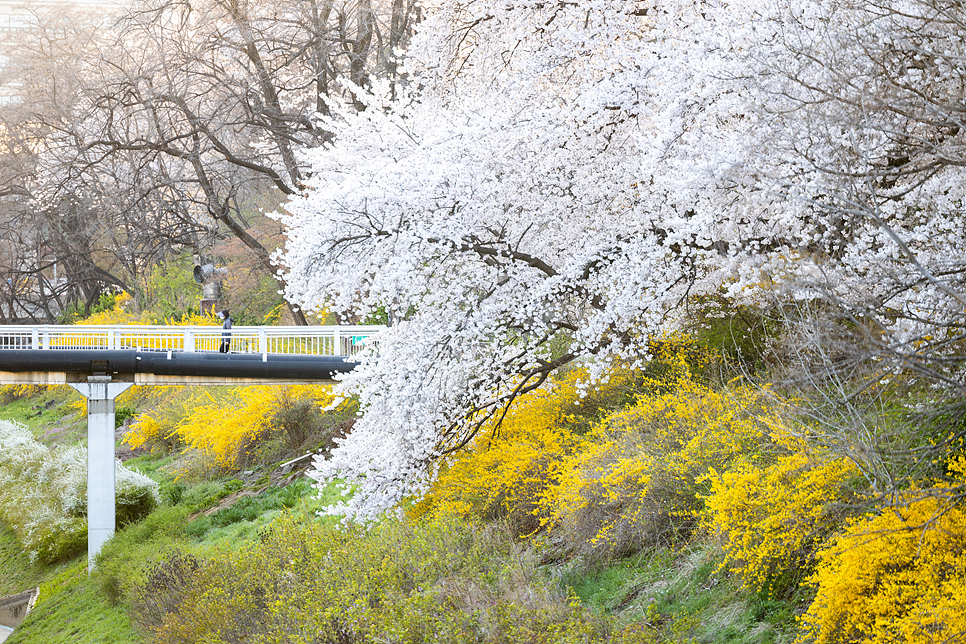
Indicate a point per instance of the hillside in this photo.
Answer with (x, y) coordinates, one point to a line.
(669, 503)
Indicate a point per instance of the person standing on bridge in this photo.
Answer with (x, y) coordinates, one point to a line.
(225, 337)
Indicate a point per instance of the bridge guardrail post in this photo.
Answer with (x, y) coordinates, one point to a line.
(45, 338)
(189, 341)
(336, 342)
(34, 338)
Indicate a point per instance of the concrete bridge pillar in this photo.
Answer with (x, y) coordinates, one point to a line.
(100, 393)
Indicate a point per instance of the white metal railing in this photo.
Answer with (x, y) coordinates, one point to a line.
(304, 340)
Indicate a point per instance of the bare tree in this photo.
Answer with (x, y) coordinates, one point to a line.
(51, 251)
(192, 108)
(864, 105)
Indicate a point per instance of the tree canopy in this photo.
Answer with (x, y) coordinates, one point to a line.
(554, 181)
(138, 135)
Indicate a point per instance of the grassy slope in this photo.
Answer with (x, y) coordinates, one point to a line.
(684, 595)
(73, 609)
(675, 595)
(17, 572)
(55, 416)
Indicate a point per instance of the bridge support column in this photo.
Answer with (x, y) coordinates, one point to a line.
(100, 393)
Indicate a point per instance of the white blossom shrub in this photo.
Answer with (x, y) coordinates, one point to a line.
(43, 494)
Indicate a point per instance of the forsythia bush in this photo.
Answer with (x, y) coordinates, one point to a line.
(157, 428)
(43, 494)
(122, 313)
(506, 470)
(193, 318)
(642, 476)
(898, 576)
(606, 477)
(10, 393)
(773, 518)
(223, 430)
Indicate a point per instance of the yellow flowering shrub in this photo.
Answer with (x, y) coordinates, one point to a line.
(145, 432)
(613, 468)
(898, 576)
(121, 313)
(221, 429)
(156, 428)
(506, 470)
(10, 393)
(773, 518)
(222, 425)
(641, 478)
(194, 318)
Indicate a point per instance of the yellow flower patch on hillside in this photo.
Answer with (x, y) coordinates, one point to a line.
(641, 477)
(222, 429)
(773, 518)
(507, 469)
(897, 576)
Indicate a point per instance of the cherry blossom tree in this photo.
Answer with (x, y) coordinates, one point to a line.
(556, 181)
(496, 207)
(864, 103)
(867, 100)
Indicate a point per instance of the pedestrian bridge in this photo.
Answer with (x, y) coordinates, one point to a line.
(179, 355)
(297, 340)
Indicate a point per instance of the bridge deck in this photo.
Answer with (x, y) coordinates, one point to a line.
(293, 340)
(149, 355)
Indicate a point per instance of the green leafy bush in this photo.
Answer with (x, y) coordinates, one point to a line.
(170, 291)
(397, 581)
(77, 311)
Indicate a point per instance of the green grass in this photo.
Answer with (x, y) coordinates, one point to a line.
(137, 547)
(50, 415)
(123, 560)
(72, 609)
(95, 609)
(152, 464)
(606, 588)
(244, 518)
(684, 596)
(18, 572)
